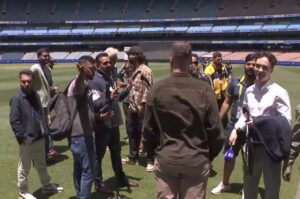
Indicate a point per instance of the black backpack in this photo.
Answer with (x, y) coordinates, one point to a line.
(60, 116)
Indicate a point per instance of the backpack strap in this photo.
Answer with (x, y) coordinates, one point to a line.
(74, 112)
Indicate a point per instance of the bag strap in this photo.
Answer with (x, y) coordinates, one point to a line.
(74, 112)
(65, 92)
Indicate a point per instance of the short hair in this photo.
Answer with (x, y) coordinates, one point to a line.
(217, 54)
(41, 51)
(86, 58)
(195, 55)
(271, 58)
(99, 56)
(181, 52)
(111, 51)
(250, 57)
(25, 72)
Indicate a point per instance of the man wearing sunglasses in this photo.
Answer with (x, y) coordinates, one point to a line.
(234, 100)
(196, 72)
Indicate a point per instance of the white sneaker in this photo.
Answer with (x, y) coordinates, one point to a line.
(26, 195)
(129, 161)
(221, 188)
(243, 195)
(52, 188)
(150, 167)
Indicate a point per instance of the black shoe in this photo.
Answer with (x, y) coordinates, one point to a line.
(103, 188)
(128, 183)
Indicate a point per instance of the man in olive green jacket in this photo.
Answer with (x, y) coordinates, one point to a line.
(294, 152)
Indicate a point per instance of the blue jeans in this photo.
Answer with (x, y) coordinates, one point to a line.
(82, 148)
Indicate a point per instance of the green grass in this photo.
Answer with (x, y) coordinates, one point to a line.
(61, 173)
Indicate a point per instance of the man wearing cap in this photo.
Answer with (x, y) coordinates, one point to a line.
(142, 80)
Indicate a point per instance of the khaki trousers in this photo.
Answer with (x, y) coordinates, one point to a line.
(34, 152)
(298, 192)
(188, 182)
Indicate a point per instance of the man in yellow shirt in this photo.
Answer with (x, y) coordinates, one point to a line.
(219, 77)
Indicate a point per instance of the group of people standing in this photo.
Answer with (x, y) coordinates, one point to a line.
(259, 126)
(180, 121)
(93, 99)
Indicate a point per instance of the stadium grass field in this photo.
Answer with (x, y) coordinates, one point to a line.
(61, 171)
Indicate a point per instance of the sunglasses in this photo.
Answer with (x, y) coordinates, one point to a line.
(26, 81)
(195, 62)
(106, 63)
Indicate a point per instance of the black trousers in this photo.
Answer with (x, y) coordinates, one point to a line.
(108, 137)
(125, 106)
(135, 124)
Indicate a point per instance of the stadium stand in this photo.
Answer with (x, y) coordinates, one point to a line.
(128, 30)
(59, 31)
(53, 11)
(288, 56)
(76, 55)
(12, 56)
(82, 30)
(59, 55)
(235, 56)
(70, 27)
(29, 56)
(105, 30)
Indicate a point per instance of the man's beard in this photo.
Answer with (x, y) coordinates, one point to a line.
(250, 73)
(27, 91)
